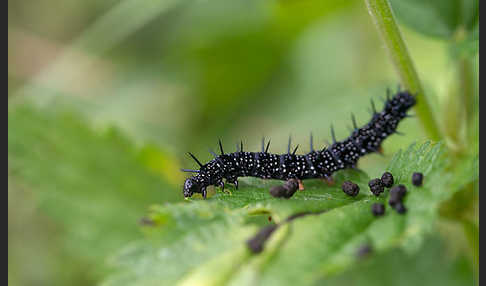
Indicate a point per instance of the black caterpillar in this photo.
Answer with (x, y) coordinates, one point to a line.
(316, 164)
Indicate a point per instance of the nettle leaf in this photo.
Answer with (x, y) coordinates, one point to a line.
(320, 230)
(437, 18)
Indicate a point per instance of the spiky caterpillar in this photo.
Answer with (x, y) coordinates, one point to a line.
(316, 164)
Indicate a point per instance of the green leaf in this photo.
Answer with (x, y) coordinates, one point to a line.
(204, 241)
(437, 18)
(88, 189)
(429, 266)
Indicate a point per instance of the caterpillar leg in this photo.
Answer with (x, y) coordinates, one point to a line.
(301, 185)
(221, 185)
(233, 181)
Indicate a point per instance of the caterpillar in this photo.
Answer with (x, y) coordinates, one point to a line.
(315, 164)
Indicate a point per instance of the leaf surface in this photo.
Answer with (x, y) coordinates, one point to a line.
(204, 241)
(86, 189)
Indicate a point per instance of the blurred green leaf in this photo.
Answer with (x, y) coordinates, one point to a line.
(204, 241)
(92, 187)
(429, 266)
(437, 18)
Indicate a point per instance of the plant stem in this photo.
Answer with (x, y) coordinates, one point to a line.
(460, 106)
(384, 20)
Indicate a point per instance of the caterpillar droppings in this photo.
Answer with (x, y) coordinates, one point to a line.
(316, 164)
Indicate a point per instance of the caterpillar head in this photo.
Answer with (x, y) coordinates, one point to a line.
(191, 186)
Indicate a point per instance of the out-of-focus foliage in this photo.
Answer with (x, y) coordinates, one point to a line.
(456, 21)
(89, 191)
(429, 266)
(105, 98)
(438, 18)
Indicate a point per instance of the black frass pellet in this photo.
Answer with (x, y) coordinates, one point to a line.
(387, 179)
(378, 209)
(278, 191)
(376, 186)
(287, 190)
(417, 179)
(400, 208)
(350, 188)
(396, 195)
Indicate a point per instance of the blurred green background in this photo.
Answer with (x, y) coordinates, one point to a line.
(106, 97)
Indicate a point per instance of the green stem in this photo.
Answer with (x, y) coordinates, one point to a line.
(384, 20)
